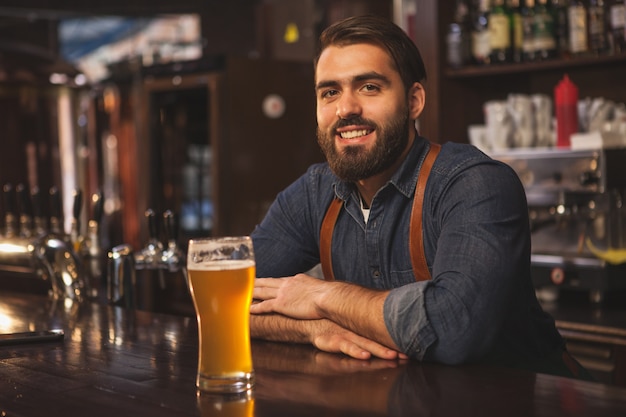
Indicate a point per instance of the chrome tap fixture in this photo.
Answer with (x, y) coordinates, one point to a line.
(150, 256)
(89, 247)
(25, 253)
(173, 257)
(152, 278)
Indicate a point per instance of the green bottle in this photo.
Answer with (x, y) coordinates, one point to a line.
(543, 28)
(515, 18)
(499, 33)
(527, 12)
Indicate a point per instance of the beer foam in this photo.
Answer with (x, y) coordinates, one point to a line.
(220, 265)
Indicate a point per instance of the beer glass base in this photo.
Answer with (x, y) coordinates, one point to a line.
(225, 384)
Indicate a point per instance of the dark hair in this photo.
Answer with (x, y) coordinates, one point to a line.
(378, 31)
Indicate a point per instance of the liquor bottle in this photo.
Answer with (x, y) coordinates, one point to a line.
(616, 26)
(558, 8)
(481, 45)
(597, 27)
(577, 20)
(516, 30)
(545, 44)
(527, 12)
(458, 38)
(499, 33)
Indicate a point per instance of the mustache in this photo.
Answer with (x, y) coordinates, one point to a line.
(356, 120)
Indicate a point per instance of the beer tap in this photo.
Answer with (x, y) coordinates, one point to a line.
(48, 257)
(90, 250)
(172, 256)
(56, 213)
(150, 255)
(10, 218)
(39, 221)
(25, 210)
(75, 236)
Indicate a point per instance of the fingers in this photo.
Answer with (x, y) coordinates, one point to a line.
(262, 307)
(355, 346)
(263, 293)
(268, 282)
(365, 348)
(266, 288)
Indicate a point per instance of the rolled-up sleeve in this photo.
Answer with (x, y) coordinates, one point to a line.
(407, 321)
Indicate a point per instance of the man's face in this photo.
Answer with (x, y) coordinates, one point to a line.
(362, 113)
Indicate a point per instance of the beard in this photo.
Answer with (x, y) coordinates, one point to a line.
(356, 163)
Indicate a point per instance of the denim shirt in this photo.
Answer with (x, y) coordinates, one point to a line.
(480, 304)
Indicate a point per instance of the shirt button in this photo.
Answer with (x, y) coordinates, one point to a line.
(376, 274)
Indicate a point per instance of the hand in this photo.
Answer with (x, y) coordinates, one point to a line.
(293, 297)
(330, 337)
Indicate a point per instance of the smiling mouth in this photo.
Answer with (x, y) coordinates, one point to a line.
(352, 134)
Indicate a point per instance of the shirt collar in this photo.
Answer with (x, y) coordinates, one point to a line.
(404, 179)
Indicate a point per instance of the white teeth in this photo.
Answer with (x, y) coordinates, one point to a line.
(353, 134)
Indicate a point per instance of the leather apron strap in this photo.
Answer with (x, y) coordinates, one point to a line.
(326, 236)
(416, 234)
(416, 239)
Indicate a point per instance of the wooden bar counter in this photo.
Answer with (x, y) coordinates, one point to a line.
(117, 362)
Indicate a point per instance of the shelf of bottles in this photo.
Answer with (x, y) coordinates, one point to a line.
(489, 37)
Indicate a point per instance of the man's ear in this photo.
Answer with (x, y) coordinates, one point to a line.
(417, 100)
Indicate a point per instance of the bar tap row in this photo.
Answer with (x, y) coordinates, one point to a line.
(139, 279)
(33, 243)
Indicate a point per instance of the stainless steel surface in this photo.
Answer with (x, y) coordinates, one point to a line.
(121, 277)
(575, 200)
(48, 258)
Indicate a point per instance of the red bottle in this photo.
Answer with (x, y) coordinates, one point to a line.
(566, 106)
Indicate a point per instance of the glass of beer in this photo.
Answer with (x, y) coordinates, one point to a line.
(221, 275)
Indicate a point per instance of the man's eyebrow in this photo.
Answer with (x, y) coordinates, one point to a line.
(372, 75)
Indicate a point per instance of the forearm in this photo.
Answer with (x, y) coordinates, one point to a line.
(356, 308)
(279, 328)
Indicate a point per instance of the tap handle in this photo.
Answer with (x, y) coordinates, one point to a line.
(98, 206)
(78, 204)
(171, 225)
(23, 201)
(35, 202)
(152, 224)
(38, 215)
(56, 209)
(8, 194)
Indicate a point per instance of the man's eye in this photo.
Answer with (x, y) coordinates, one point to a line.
(370, 87)
(329, 93)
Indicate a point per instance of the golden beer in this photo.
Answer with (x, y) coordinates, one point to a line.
(222, 292)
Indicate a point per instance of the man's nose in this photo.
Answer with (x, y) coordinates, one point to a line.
(348, 106)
